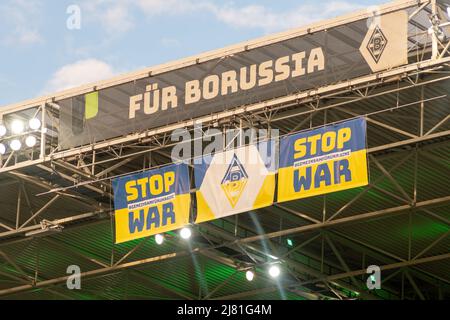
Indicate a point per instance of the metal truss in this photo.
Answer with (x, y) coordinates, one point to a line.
(343, 276)
(82, 176)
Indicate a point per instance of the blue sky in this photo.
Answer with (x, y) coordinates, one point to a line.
(39, 54)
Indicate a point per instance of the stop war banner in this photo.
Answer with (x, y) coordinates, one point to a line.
(151, 202)
(324, 160)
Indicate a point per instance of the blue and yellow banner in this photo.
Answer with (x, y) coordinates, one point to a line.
(235, 181)
(324, 160)
(151, 202)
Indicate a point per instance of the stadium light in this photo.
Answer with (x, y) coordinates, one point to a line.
(274, 271)
(2, 130)
(30, 141)
(17, 127)
(15, 145)
(290, 243)
(159, 239)
(249, 275)
(185, 233)
(34, 124)
(448, 11)
(2, 149)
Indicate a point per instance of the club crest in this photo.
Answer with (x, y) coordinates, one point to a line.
(234, 181)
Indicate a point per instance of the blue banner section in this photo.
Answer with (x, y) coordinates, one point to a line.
(201, 166)
(349, 136)
(151, 202)
(172, 179)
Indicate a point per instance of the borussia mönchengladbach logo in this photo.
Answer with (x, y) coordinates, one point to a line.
(234, 181)
(377, 44)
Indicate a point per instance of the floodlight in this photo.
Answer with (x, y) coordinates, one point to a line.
(185, 233)
(34, 124)
(15, 145)
(2, 149)
(17, 127)
(159, 239)
(274, 271)
(249, 275)
(2, 130)
(30, 141)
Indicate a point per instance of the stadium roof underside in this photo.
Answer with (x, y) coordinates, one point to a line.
(401, 221)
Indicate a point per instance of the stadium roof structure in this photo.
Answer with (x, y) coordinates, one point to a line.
(56, 203)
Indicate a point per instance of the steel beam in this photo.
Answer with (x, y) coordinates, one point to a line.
(346, 220)
(332, 277)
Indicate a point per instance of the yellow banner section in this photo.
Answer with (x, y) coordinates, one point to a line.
(263, 199)
(163, 217)
(317, 179)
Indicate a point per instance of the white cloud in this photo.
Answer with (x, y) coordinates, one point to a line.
(118, 16)
(27, 37)
(117, 19)
(114, 16)
(20, 22)
(174, 7)
(79, 73)
(5, 82)
(256, 16)
(170, 42)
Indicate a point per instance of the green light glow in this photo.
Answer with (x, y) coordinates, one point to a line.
(424, 228)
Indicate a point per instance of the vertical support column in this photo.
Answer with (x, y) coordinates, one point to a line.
(93, 162)
(434, 39)
(422, 110)
(322, 253)
(416, 165)
(43, 132)
(409, 235)
(403, 285)
(19, 204)
(241, 133)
